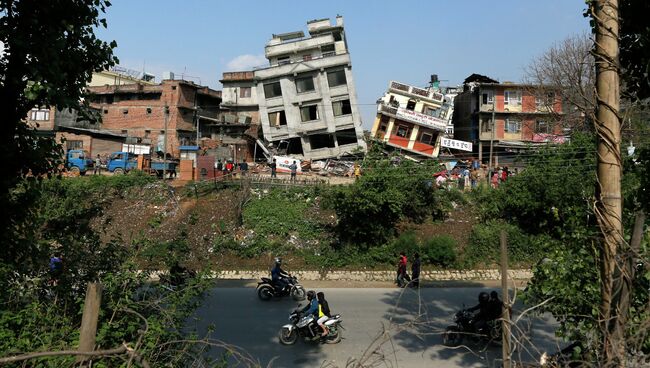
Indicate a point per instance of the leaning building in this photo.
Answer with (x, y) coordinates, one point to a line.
(306, 96)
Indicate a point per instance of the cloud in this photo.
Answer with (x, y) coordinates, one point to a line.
(245, 62)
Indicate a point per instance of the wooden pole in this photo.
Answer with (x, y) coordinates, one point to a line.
(89, 319)
(506, 300)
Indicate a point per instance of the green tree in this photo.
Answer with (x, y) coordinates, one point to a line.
(50, 52)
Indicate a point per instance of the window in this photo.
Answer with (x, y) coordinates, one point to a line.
(431, 111)
(125, 111)
(426, 138)
(272, 90)
(173, 88)
(39, 115)
(124, 131)
(403, 131)
(410, 105)
(342, 107)
(336, 78)
(486, 125)
(74, 145)
(278, 118)
(148, 110)
(105, 111)
(337, 36)
(347, 136)
(487, 97)
(146, 133)
(317, 141)
(306, 57)
(545, 100)
(542, 127)
(304, 84)
(327, 50)
(309, 113)
(244, 92)
(282, 60)
(513, 126)
(512, 98)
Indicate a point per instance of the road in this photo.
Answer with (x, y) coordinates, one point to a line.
(413, 321)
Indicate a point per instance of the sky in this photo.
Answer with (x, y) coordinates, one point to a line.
(404, 40)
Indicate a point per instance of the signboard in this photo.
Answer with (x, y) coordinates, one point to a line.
(283, 163)
(459, 145)
(422, 119)
(137, 149)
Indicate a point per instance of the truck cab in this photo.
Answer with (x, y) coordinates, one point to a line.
(121, 162)
(78, 161)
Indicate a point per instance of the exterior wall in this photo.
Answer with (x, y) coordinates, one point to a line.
(66, 138)
(113, 79)
(46, 125)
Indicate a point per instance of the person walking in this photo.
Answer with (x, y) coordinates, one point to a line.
(415, 271)
(402, 276)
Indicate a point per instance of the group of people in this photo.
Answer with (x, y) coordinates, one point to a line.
(403, 279)
(316, 306)
(489, 308)
(229, 166)
(470, 175)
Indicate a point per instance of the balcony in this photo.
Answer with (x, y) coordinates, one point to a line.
(413, 117)
(293, 47)
(302, 66)
(416, 92)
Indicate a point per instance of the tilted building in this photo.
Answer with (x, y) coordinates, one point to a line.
(306, 96)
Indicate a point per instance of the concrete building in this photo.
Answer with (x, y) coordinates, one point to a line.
(523, 116)
(411, 119)
(306, 96)
(137, 111)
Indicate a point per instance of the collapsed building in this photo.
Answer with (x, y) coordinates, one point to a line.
(306, 98)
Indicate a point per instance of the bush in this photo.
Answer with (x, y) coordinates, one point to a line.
(439, 251)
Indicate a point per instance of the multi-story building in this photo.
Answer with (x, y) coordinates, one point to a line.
(411, 119)
(523, 115)
(138, 112)
(306, 96)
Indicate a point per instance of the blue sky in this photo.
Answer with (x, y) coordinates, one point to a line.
(405, 40)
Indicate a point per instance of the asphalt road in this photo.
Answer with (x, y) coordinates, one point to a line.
(413, 321)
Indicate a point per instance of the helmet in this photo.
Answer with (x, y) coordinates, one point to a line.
(494, 295)
(483, 297)
(278, 260)
(311, 294)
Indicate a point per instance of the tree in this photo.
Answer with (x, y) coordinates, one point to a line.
(50, 52)
(567, 68)
(635, 48)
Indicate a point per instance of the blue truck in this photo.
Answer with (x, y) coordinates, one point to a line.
(123, 162)
(78, 161)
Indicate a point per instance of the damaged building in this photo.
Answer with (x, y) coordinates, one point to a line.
(306, 96)
(412, 119)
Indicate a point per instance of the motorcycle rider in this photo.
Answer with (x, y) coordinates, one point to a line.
(480, 319)
(495, 306)
(278, 275)
(312, 305)
(323, 313)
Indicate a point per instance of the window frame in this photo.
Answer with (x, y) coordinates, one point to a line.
(270, 87)
(408, 131)
(507, 98)
(247, 94)
(302, 117)
(279, 124)
(36, 114)
(538, 123)
(517, 123)
(335, 72)
(342, 102)
(304, 78)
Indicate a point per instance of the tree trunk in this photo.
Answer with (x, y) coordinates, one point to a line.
(608, 192)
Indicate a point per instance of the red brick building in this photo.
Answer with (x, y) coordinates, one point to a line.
(137, 111)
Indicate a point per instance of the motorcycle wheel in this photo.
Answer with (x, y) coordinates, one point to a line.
(288, 338)
(298, 293)
(452, 336)
(265, 292)
(334, 337)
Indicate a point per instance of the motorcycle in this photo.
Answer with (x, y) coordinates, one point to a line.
(267, 290)
(464, 327)
(308, 328)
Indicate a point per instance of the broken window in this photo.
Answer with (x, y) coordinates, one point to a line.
(272, 90)
(278, 118)
(327, 50)
(304, 84)
(317, 141)
(346, 136)
(410, 105)
(337, 36)
(244, 92)
(309, 113)
(336, 78)
(342, 107)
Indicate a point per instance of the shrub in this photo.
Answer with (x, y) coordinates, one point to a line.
(439, 251)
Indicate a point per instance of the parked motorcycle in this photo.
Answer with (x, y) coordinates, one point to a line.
(267, 290)
(308, 328)
(464, 328)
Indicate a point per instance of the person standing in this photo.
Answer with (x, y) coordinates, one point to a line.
(274, 167)
(495, 179)
(415, 271)
(218, 166)
(98, 165)
(294, 169)
(357, 171)
(402, 276)
(243, 167)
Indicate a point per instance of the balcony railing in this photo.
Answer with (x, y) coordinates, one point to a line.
(414, 117)
(415, 91)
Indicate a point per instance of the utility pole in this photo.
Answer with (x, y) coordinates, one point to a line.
(505, 313)
(609, 203)
(89, 320)
(493, 124)
(166, 113)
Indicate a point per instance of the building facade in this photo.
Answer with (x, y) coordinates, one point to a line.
(523, 116)
(145, 113)
(411, 119)
(306, 96)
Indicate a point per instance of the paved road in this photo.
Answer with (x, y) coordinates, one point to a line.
(413, 320)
